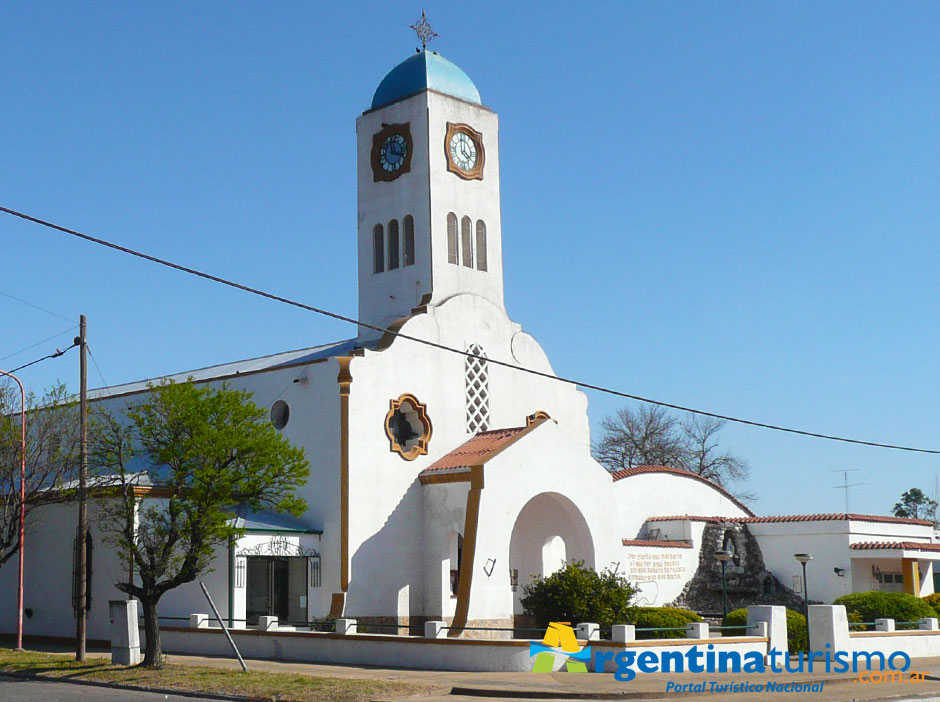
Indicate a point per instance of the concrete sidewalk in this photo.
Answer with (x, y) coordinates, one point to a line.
(501, 686)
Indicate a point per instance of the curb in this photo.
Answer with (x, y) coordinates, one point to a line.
(625, 695)
(134, 688)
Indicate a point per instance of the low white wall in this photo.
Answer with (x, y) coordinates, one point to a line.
(916, 644)
(474, 655)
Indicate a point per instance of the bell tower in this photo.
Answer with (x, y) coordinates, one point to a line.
(428, 192)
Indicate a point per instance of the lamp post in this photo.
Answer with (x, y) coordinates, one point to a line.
(723, 557)
(19, 595)
(805, 558)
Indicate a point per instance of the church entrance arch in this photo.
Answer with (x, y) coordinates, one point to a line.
(549, 531)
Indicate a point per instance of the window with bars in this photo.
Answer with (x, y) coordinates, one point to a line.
(477, 390)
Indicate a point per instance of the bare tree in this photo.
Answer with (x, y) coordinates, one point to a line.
(52, 429)
(651, 436)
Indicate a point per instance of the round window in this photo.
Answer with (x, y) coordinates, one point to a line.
(280, 414)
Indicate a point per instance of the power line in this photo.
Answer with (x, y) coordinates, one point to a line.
(39, 343)
(41, 309)
(58, 352)
(449, 349)
(97, 367)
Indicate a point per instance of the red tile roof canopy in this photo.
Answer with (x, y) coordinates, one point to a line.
(482, 447)
(894, 545)
(833, 517)
(657, 544)
(643, 470)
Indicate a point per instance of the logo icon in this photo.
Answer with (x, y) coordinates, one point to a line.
(559, 642)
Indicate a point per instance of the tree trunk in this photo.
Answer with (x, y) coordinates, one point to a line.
(153, 653)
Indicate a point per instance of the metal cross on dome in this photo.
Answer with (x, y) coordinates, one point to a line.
(423, 29)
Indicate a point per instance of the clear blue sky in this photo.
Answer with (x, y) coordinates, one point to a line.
(729, 205)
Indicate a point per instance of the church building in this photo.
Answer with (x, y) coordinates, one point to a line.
(442, 477)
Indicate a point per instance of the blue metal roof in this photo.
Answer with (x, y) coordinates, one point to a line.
(426, 70)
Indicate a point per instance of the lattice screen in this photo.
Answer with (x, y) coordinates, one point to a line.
(478, 390)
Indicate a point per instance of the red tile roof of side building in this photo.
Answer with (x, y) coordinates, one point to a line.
(898, 545)
(483, 446)
(644, 470)
(833, 517)
(657, 544)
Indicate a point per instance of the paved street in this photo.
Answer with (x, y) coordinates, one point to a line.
(19, 690)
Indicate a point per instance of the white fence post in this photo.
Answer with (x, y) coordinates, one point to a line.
(828, 624)
(884, 625)
(588, 631)
(267, 623)
(928, 623)
(434, 629)
(346, 626)
(621, 633)
(198, 621)
(775, 617)
(696, 630)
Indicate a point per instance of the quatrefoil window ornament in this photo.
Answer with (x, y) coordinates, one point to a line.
(407, 427)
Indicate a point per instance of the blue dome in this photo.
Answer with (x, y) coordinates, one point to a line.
(425, 70)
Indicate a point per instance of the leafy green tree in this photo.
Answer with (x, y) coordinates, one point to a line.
(915, 504)
(578, 594)
(204, 451)
(52, 432)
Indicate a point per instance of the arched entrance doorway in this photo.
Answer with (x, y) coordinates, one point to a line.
(549, 532)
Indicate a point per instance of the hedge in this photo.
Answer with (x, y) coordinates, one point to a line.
(661, 618)
(796, 627)
(934, 601)
(875, 604)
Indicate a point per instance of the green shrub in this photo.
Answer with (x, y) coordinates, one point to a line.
(661, 618)
(874, 605)
(796, 627)
(578, 594)
(934, 601)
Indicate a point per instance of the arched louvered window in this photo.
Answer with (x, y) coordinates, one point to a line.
(378, 249)
(451, 238)
(481, 245)
(466, 242)
(409, 225)
(393, 244)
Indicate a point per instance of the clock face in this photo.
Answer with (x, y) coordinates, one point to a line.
(463, 151)
(393, 153)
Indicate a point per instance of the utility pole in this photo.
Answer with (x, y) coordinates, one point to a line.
(845, 483)
(82, 596)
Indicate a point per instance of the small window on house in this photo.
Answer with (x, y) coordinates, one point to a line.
(465, 242)
(393, 244)
(481, 245)
(378, 248)
(451, 238)
(409, 224)
(280, 414)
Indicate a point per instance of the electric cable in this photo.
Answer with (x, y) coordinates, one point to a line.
(449, 349)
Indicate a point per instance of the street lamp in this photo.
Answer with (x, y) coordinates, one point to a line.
(19, 596)
(723, 556)
(805, 558)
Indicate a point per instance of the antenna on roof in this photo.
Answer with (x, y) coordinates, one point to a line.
(423, 29)
(845, 484)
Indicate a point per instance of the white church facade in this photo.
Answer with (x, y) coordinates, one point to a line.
(441, 482)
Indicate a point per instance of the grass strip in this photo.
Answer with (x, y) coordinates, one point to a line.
(280, 687)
